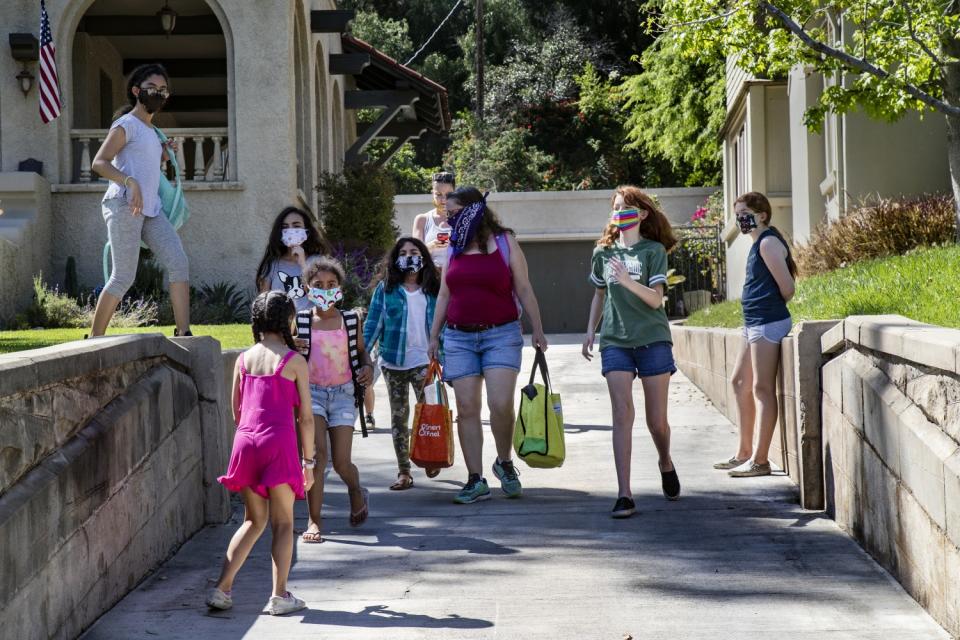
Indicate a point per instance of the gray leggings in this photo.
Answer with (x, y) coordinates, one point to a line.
(125, 231)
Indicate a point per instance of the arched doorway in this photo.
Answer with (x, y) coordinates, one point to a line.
(112, 38)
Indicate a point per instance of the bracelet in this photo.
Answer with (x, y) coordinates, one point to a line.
(125, 180)
(308, 463)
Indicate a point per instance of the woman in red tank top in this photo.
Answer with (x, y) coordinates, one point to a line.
(483, 287)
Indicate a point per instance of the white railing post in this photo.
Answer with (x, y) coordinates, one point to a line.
(217, 159)
(198, 163)
(181, 156)
(85, 160)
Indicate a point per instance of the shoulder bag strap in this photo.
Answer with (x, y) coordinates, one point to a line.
(304, 322)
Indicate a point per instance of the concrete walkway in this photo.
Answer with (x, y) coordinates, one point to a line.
(732, 558)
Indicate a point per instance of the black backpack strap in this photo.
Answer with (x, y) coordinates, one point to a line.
(304, 322)
(351, 321)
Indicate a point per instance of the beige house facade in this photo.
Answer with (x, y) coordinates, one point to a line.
(265, 97)
(811, 177)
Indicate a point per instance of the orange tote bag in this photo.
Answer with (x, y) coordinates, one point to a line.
(433, 426)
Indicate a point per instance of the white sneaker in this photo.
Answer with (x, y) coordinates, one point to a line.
(277, 606)
(217, 599)
(730, 463)
(750, 469)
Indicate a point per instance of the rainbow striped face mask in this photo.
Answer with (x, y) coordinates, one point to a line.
(626, 219)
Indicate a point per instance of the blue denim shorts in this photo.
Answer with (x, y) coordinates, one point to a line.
(650, 360)
(336, 404)
(470, 354)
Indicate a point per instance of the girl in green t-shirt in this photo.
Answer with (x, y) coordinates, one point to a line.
(629, 271)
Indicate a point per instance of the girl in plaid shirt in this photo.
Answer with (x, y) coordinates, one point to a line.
(400, 317)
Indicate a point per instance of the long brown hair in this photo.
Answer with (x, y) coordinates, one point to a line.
(654, 226)
(490, 224)
(758, 203)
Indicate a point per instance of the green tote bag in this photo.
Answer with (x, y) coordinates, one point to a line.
(538, 433)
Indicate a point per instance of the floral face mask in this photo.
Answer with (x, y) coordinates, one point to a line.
(325, 299)
(747, 221)
(293, 237)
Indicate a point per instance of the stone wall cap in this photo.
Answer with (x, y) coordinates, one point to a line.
(898, 336)
(23, 370)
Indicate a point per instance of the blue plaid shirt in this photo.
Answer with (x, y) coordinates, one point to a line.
(387, 322)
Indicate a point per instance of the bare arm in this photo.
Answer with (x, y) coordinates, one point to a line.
(439, 316)
(111, 146)
(235, 403)
(419, 223)
(774, 255)
(305, 427)
(366, 376)
(651, 296)
(596, 309)
(521, 284)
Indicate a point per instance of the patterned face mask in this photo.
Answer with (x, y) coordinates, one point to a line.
(293, 237)
(626, 219)
(747, 221)
(410, 263)
(325, 299)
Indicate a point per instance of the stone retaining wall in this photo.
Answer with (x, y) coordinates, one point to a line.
(111, 448)
(891, 416)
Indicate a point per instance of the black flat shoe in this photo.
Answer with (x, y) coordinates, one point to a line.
(671, 484)
(188, 333)
(624, 508)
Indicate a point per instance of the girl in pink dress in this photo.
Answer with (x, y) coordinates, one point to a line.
(271, 403)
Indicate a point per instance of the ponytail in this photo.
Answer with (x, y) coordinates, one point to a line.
(137, 76)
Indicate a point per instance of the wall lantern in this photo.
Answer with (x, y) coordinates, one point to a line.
(168, 18)
(25, 49)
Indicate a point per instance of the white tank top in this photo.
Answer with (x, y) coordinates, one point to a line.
(430, 231)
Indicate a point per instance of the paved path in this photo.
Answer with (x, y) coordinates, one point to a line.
(732, 558)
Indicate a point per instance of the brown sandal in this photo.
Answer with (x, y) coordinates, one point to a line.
(404, 482)
(357, 518)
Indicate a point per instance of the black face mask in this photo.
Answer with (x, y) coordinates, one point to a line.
(747, 221)
(151, 103)
(410, 263)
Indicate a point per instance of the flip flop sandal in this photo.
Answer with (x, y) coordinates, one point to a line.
(433, 472)
(312, 537)
(357, 518)
(404, 482)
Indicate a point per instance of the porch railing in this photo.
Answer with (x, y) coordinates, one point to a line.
(203, 154)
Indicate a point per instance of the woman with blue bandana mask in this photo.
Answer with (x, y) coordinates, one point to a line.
(768, 287)
(477, 309)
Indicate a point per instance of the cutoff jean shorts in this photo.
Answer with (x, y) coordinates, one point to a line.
(643, 362)
(773, 332)
(468, 354)
(336, 405)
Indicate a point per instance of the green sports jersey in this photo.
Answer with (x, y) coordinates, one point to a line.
(628, 321)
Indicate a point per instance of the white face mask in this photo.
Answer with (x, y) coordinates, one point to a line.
(293, 237)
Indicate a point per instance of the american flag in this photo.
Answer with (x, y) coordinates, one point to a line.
(49, 82)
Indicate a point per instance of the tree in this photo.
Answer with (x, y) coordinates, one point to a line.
(891, 56)
(676, 108)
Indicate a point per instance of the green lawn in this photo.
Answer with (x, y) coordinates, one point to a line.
(923, 285)
(231, 336)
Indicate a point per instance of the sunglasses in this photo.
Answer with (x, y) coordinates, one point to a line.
(153, 91)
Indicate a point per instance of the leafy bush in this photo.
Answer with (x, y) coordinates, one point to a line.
(132, 312)
(360, 269)
(887, 227)
(218, 303)
(356, 208)
(51, 309)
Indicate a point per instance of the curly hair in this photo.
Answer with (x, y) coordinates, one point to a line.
(490, 224)
(323, 264)
(654, 226)
(273, 312)
(390, 273)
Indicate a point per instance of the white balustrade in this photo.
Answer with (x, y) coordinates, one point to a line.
(206, 167)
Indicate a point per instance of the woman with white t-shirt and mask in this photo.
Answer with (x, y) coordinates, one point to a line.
(432, 227)
(130, 159)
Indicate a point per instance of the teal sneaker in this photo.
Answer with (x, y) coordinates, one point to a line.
(509, 478)
(475, 490)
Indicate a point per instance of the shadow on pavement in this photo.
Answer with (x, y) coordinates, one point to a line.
(380, 616)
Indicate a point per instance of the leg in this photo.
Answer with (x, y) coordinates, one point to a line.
(254, 522)
(469, 395)
(655, 395)
(281, 548)
(397, 388)
(163, 240)
(501, 385)
(341, 448)
(746, 408)
(124, 230)
(315, 495)
(369, 400)
(766, 363)
(620, 387)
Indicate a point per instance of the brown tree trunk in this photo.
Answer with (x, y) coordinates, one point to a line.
(950, 46)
